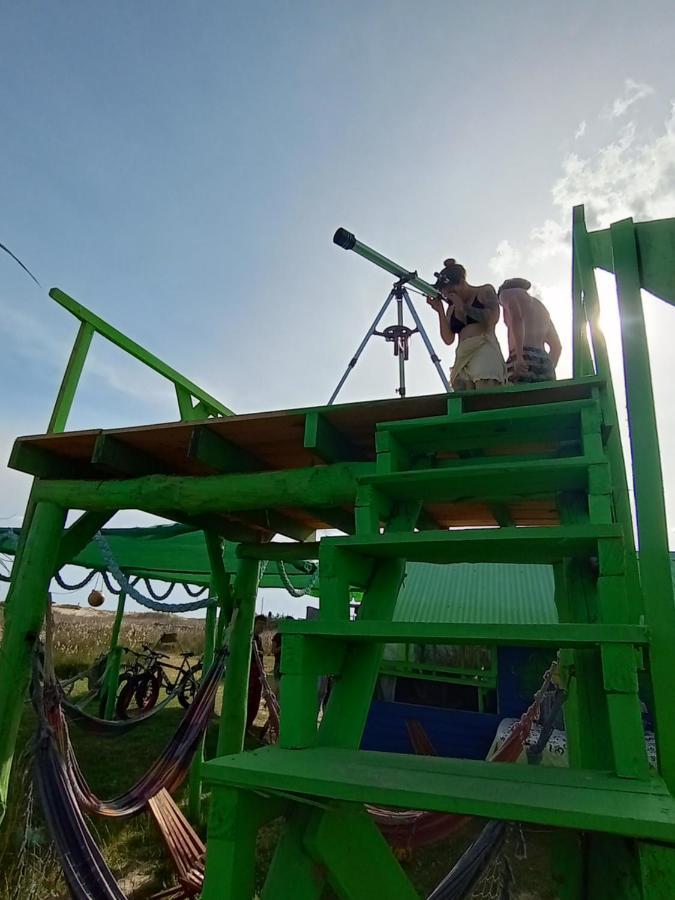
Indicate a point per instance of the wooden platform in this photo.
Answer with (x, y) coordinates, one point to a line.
(572, 798)
(295, 439)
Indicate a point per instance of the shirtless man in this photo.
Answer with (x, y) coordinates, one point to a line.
(534, 345)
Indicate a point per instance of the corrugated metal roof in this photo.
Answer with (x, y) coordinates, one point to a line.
(476, 593)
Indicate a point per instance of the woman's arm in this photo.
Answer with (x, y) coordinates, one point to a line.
(490, 312)
(447, 335)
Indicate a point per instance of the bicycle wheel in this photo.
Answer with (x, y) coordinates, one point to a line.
(147, 690)
(125, 696)
(189, 685)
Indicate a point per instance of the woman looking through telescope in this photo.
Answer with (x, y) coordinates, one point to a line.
(471, 317)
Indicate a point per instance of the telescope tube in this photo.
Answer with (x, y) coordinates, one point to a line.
(347, 241)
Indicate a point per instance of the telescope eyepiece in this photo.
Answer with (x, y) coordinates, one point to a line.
(344, 239)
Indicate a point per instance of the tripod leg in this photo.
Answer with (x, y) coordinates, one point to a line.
(427, 343)
(353, 361)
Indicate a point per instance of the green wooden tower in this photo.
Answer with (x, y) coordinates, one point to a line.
(531, 474)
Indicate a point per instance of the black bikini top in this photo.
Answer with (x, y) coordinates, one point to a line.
(456, 325)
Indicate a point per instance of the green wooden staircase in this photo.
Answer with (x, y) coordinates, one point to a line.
(545, 466)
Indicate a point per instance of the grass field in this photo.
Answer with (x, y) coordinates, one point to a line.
(132, 848)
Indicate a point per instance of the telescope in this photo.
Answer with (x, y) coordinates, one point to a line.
(347, 241)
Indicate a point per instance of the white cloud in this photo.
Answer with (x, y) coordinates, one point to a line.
(581, 130)
(633, 92)
(505, 260)
(629, 176)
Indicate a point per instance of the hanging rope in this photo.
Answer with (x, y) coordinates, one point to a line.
(156, 595)
(288, 584)
(136, 595)
(73, 587)
(194, 592)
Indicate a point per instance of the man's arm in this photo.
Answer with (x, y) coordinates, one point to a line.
(554, 345)
(514, 319)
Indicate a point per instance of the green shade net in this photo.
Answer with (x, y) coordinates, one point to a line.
(174, 553)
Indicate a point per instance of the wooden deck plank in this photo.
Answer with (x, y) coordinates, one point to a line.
(568, 798)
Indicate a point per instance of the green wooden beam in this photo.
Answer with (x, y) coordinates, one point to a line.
(497, 634)
(210, 448)
(319, 486)
(121, 459)
(528, 545)
(499, 481)
(24, 614)
(80, 533)
(583, 799)
(280, 551)
(324, 439)
(42, 463)
(71, 378)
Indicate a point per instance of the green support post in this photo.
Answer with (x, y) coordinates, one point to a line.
(195, 780)
(24, 615)
(115, 654)
(655, 573)
(71, 378)
(235, 684)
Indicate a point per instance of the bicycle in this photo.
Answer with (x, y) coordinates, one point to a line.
(145, 684)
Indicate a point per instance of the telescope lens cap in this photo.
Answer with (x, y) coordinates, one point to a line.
(344, 239)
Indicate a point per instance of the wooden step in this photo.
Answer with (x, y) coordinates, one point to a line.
(514, 545)
(488, 634)
(496, 481)
(568, 798)
(551, 422)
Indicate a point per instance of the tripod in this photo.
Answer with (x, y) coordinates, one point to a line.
(399, 335)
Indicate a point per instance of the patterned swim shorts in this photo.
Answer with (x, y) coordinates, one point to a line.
(539, 367)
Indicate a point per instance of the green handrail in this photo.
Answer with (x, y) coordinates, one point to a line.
(92, 324)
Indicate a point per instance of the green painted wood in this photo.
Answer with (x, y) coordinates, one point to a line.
(498, 635)
(356, 856)
(582, 799)
(112, 672)
(119, 459)
(319, 486)
(78, 535)
(655, 245)
(195, 776)
(533, 545)
(24, 614)
(304, 550)
(552, 417)
(42, 464)
(235, 683)
(71, 378)
(326, 441)
(140, 353)
(219, 454)
(505, 480)
(652, 527)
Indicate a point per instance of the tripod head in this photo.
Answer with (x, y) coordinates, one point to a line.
(347, 241)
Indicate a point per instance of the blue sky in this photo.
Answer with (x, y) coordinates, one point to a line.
(180, 168)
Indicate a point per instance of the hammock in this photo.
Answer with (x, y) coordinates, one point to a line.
(111, 727)
(416, 828)
(168, 771)
(272, 727)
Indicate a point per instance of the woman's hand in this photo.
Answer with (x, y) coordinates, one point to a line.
(435, 303)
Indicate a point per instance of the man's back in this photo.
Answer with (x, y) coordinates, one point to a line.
(534, 345)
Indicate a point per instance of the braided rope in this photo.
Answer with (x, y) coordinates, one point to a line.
(288, 584)
(136, 595)
(73, 587)
(156, 595)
